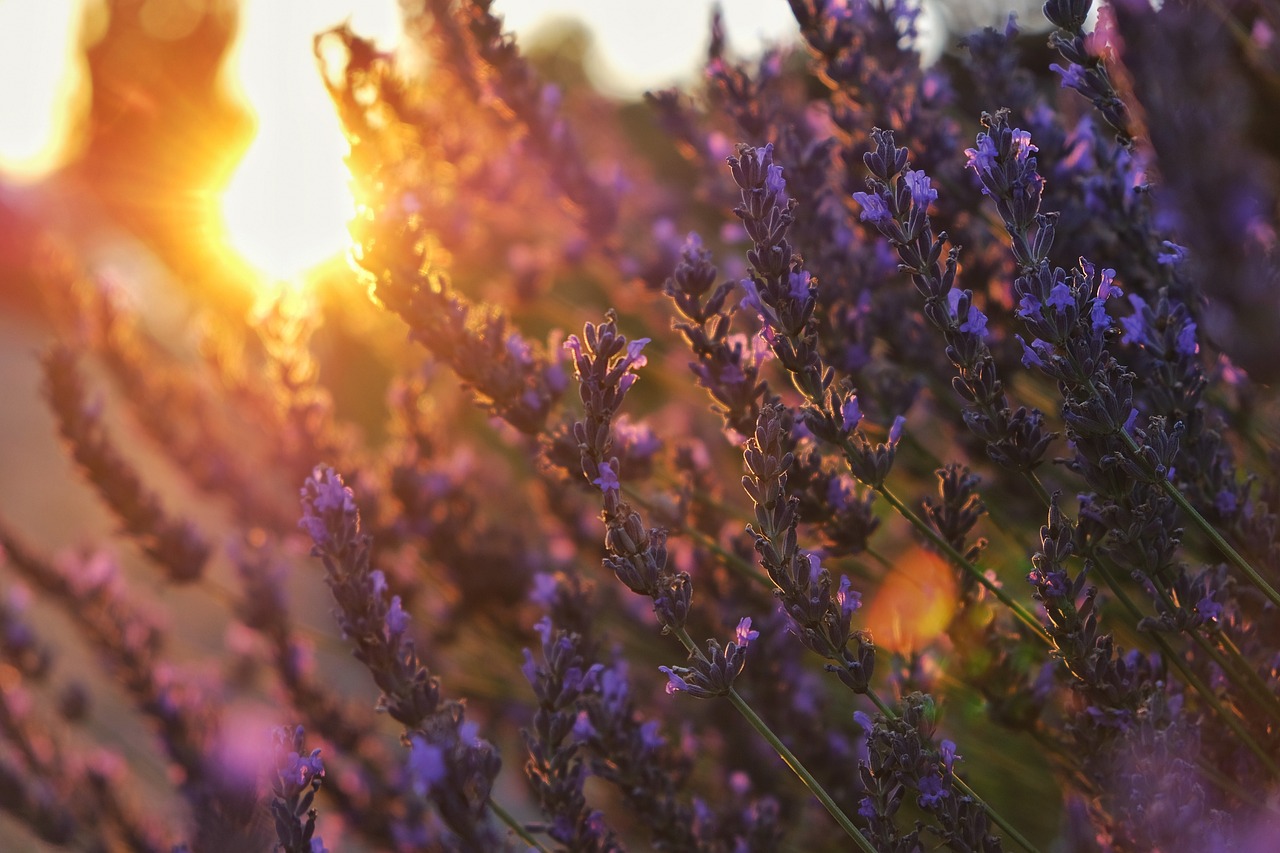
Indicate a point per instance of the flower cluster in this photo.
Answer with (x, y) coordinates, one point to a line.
(1006, 404)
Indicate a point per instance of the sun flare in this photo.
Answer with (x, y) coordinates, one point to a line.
(288, 203)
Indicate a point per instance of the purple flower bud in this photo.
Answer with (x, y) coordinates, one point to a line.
(1135, 325)
(932, 791)
(752, 299)
(815, 565)
(650, 737)
(608, 479)
(582, 728)
(1022, 147)
(1029, 307)
(426, 766)
(922, 193)
(1172, 255)
(1225, 502)
(773, 181)
(874, 209)
(1060, 297)
(983, 158)
(864, 721)
(1186, 343)
(397, 619)
(1208, 608)
(542, 591)
(895, 431)
(1072, 75)
(634, 356)
(743, 635)
(798, 285)
(975, 324)
(1030, 358)
(947, 751)
(1107, 287)
(1099, 319)
(674, 682)
(850, 413)
(847, 598)
(1131, 420)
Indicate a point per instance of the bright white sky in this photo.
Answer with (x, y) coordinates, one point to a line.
(288, 202)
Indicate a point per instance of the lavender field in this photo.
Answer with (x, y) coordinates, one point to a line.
(843, 451)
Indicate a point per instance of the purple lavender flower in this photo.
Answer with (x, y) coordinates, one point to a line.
(608, 479)
(293, 788)
(918, 184)
(874, 210)
(850, 413)
(1073, 76)
(425, 765)
(931, 791)
(1060, 297)
(982, 159)
(713, 674)
(774, 181)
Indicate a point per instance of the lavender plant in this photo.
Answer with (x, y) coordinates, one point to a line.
(848, 367)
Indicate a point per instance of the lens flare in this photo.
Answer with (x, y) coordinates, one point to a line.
(288, 203)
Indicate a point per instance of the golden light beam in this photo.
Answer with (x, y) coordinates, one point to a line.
(287, 205)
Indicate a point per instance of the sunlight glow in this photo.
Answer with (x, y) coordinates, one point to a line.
(915, 602)
(641, 46)
(286, 208)
(41, 92)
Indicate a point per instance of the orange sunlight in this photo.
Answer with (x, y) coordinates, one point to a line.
(287, 205)
(915, 602)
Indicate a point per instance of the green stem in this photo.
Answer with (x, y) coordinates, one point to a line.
(516, 827)
(1219, 541)
(991, 813)
(1038, 487)
(1192, 679)
(1259, 691)
(960, 562)
(731, 560)
(1234, 653)
(788, 757)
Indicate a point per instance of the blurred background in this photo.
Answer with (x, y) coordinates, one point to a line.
(186, 151)
(189, 145)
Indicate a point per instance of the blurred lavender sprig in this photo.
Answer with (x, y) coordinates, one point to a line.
(1136, 674)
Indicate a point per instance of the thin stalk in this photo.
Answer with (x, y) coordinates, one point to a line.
(788, 757)
(1192, 679)
(1038, 487)
(879, 558)
(814, 396)
(958, 560)
(1238, 666)
(991, 813)
(516, 827)
(1263, 696)
(1219, 541)
(742, 567)
(1233, 651)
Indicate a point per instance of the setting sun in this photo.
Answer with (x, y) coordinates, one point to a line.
(287, 205)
